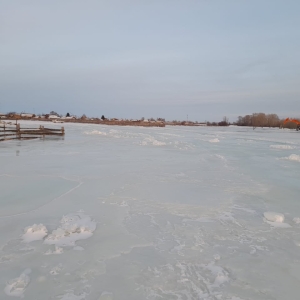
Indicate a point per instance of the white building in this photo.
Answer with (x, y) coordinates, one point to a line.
(53, 117)
(25, 115)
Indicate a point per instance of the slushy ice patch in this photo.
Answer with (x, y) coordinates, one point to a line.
(73, 227)
(16, 287)
(34, 233)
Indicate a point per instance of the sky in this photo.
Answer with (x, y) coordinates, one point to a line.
(203, 59)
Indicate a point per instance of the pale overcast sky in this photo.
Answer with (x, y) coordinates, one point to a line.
(151, 58)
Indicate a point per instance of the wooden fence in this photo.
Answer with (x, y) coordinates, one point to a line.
(14, 132)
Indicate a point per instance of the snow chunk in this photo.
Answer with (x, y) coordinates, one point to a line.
(34, 233)
(214, 140)
(16, 287)
(73, 227)
(285, 147)
(293, 157)
(275, 219)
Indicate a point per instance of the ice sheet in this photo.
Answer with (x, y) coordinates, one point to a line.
(151, 213)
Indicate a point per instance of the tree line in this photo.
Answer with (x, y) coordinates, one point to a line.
(263, 120)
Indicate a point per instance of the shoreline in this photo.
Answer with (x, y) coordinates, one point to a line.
(105, 122)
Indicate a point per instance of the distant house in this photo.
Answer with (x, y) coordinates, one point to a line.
(145, 120)
(201, 124)
(53, 117)
(26, 115)
(2, 116)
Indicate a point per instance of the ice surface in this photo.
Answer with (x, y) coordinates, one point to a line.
(151, 213)
(34, 233)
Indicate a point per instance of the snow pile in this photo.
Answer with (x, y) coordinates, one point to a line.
(34, 233)
(286, 147)
(73, 227)
(275, 219)
(152, 141)
(214, 140)
(293, 157)
(16, 287)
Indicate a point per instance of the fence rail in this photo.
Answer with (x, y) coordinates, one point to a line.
(15, 132)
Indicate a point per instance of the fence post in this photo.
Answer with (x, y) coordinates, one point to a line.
(63, 130)
(18, 133)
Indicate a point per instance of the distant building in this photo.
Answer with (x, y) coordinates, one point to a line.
(53, 117)
(25, 115)
(201, 124)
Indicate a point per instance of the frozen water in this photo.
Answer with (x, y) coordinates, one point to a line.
(151, 213)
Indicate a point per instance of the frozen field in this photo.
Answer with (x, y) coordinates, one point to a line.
(130, 213)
